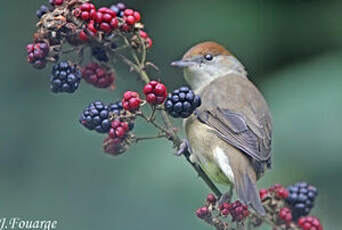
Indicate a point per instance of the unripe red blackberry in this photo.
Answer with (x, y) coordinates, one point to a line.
(130, 17)
(182, 102)
(279, 191)
(131, 101)
(301, 198)
(91, 28)
(97, 76)
(155, 92)
(310, 223)
(224, 208)
(96, 117)
(238, 211)
(202, 212)
(65, 78)
(111, 147)
(211, 199)
(285, 215)
(263, 193)
(37, 53)
(118, 131)
(146, 38)
(83, 36)
(56, 2)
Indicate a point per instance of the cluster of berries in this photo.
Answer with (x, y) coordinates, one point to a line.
(294, 203)
(88, 21)
(273, 200)
(182, 102)
(236, 210)
(155, 94)
(37, 54)
(106, 119)
(65, 77)
(106, 19)
(301, 198)
(117, 119)
(97, 75)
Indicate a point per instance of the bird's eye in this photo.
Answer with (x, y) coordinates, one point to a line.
(208, 57)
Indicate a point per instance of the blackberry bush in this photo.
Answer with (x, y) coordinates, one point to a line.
(117, 33)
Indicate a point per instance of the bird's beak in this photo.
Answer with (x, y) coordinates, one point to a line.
(183, 63)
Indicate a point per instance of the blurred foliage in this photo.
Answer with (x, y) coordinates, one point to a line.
(51, 167)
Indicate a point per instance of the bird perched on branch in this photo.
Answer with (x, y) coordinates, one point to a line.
(230, 133)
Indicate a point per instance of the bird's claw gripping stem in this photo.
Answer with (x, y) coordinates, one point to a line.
(184, 148)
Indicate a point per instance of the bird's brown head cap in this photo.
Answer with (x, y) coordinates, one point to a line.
(205, 48)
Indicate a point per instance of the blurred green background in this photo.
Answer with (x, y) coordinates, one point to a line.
(52, 168)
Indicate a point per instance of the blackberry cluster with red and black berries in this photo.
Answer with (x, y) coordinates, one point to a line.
(43, 9)
(117, 109)
(96, 117)
(99, 53)
(119, 9)
(182, 102)
(301, 198)
(65, 77)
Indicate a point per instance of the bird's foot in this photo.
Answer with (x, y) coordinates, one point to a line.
(184, 148)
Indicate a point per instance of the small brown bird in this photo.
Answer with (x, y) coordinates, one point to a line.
(230, 133)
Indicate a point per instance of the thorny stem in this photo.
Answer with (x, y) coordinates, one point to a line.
(137, 139)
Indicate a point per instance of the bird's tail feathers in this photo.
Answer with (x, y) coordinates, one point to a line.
(247, 192)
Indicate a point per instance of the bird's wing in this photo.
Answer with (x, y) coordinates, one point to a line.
(237, 112)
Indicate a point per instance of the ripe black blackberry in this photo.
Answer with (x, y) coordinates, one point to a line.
(301, 199)
(43, 9)
(96, 117)
(99, 53)
(119, 9)
(65, 77)
(115, 108)
(182, 102)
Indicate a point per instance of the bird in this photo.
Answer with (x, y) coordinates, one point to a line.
(230, 134)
